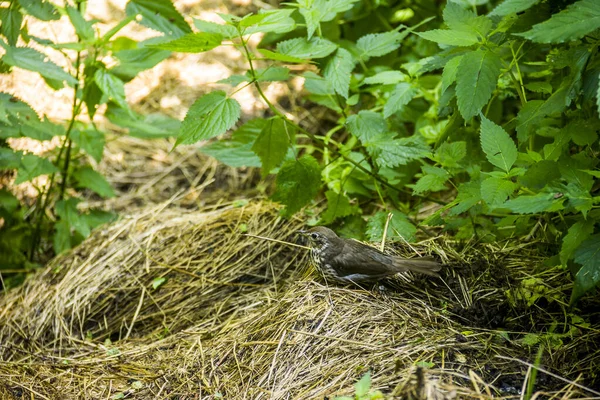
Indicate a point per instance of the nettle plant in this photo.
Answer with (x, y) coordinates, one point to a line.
(493, 116)
(29, 231)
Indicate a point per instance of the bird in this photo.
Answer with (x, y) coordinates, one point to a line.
(350, 261)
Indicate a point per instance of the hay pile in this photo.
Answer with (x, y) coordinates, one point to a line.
(170, 303)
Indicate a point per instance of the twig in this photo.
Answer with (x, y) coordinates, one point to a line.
(278, 241)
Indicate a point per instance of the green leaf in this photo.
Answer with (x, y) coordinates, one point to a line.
(91, 141)
(393, 152)
(386, 78)
(317, 84)
(362, 387)
(225, 30)
(578, 232)
(32, 60)
(151, 126)
(32, 166)
(495, 191)
(301, 48)
(317, 11)
(237, 151)
(465, 20)
(579, 197)
(11, 20)
(399, 227)
(158, 282)
(469, 194)
(159, 15)
(275, 21)
(449, 154)
(272, 144)
(211, 115)
(540, 174)
(9, 159)
(272, 74)
(338, 206)
(476, 79)
(96, 218)
(191, 43)
(234, 80)
(529, 116)
(433, 180)
(552, 151)
(93, 180)
(298, 182)
(402, 95)
(271, 55)
(338, 71)
(84, 29)
(498, 147)
(366, 125)
(513, 6)
(378, 44)
(450, 37)
(588, 277)
(42, 10)
(67, 211)
(540, 202)
(450, 71)
(134, 61)
(61, 240)
(112, 87)
(574, 22)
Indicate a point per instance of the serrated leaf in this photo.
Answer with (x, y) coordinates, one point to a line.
(112, 87)
(450, 37)
(272, 74)
(271, 55)
(469, 194)
(191, 43)
(160, 15)
(366, 125)
(495, 191)
(317, 11)
(401, 96)
(134, 61)
(574, 22)
(476, 79)
(211, 115)
(552, 151)
(588, 277)
(338, 71)
(386, 78)
(362, 387)
(84, 29)
(91, 141)
(301, 48)
(577, 233)
(450, 71)
(61, 241)
(225, 30)
(393, 152)
(32, 166)
(317, 84)
(463, 19)
(540, 174)
(513, 6)
(32, 60)
(338, 206)
(378, 44)
(399, 227)
(497, 145)
(237, 151)
(234, 80)
(529, 116)
(579, 197)
(42, 10)
(11, 20)
(93, 180)
(433, 180)
(275, 21)
(272, 143)
(67, 211)
(540, 202)
(297, 183)
(449, 154)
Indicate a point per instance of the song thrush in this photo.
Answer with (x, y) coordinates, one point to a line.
(350, 261)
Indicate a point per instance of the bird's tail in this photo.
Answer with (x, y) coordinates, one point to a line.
(423, 265)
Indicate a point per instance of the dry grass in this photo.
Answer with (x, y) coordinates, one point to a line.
(240, 317)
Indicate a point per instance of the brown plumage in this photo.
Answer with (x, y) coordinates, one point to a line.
(347, 260)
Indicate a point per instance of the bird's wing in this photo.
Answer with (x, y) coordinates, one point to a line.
(350, 261)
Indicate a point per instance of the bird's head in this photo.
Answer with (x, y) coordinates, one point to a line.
(320, 237)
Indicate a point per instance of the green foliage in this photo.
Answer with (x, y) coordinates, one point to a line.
(362, 390)
(56, 221)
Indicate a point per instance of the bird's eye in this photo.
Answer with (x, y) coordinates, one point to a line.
(314, 235)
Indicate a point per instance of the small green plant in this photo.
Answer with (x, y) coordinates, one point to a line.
(29, 232)
(362, 390)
